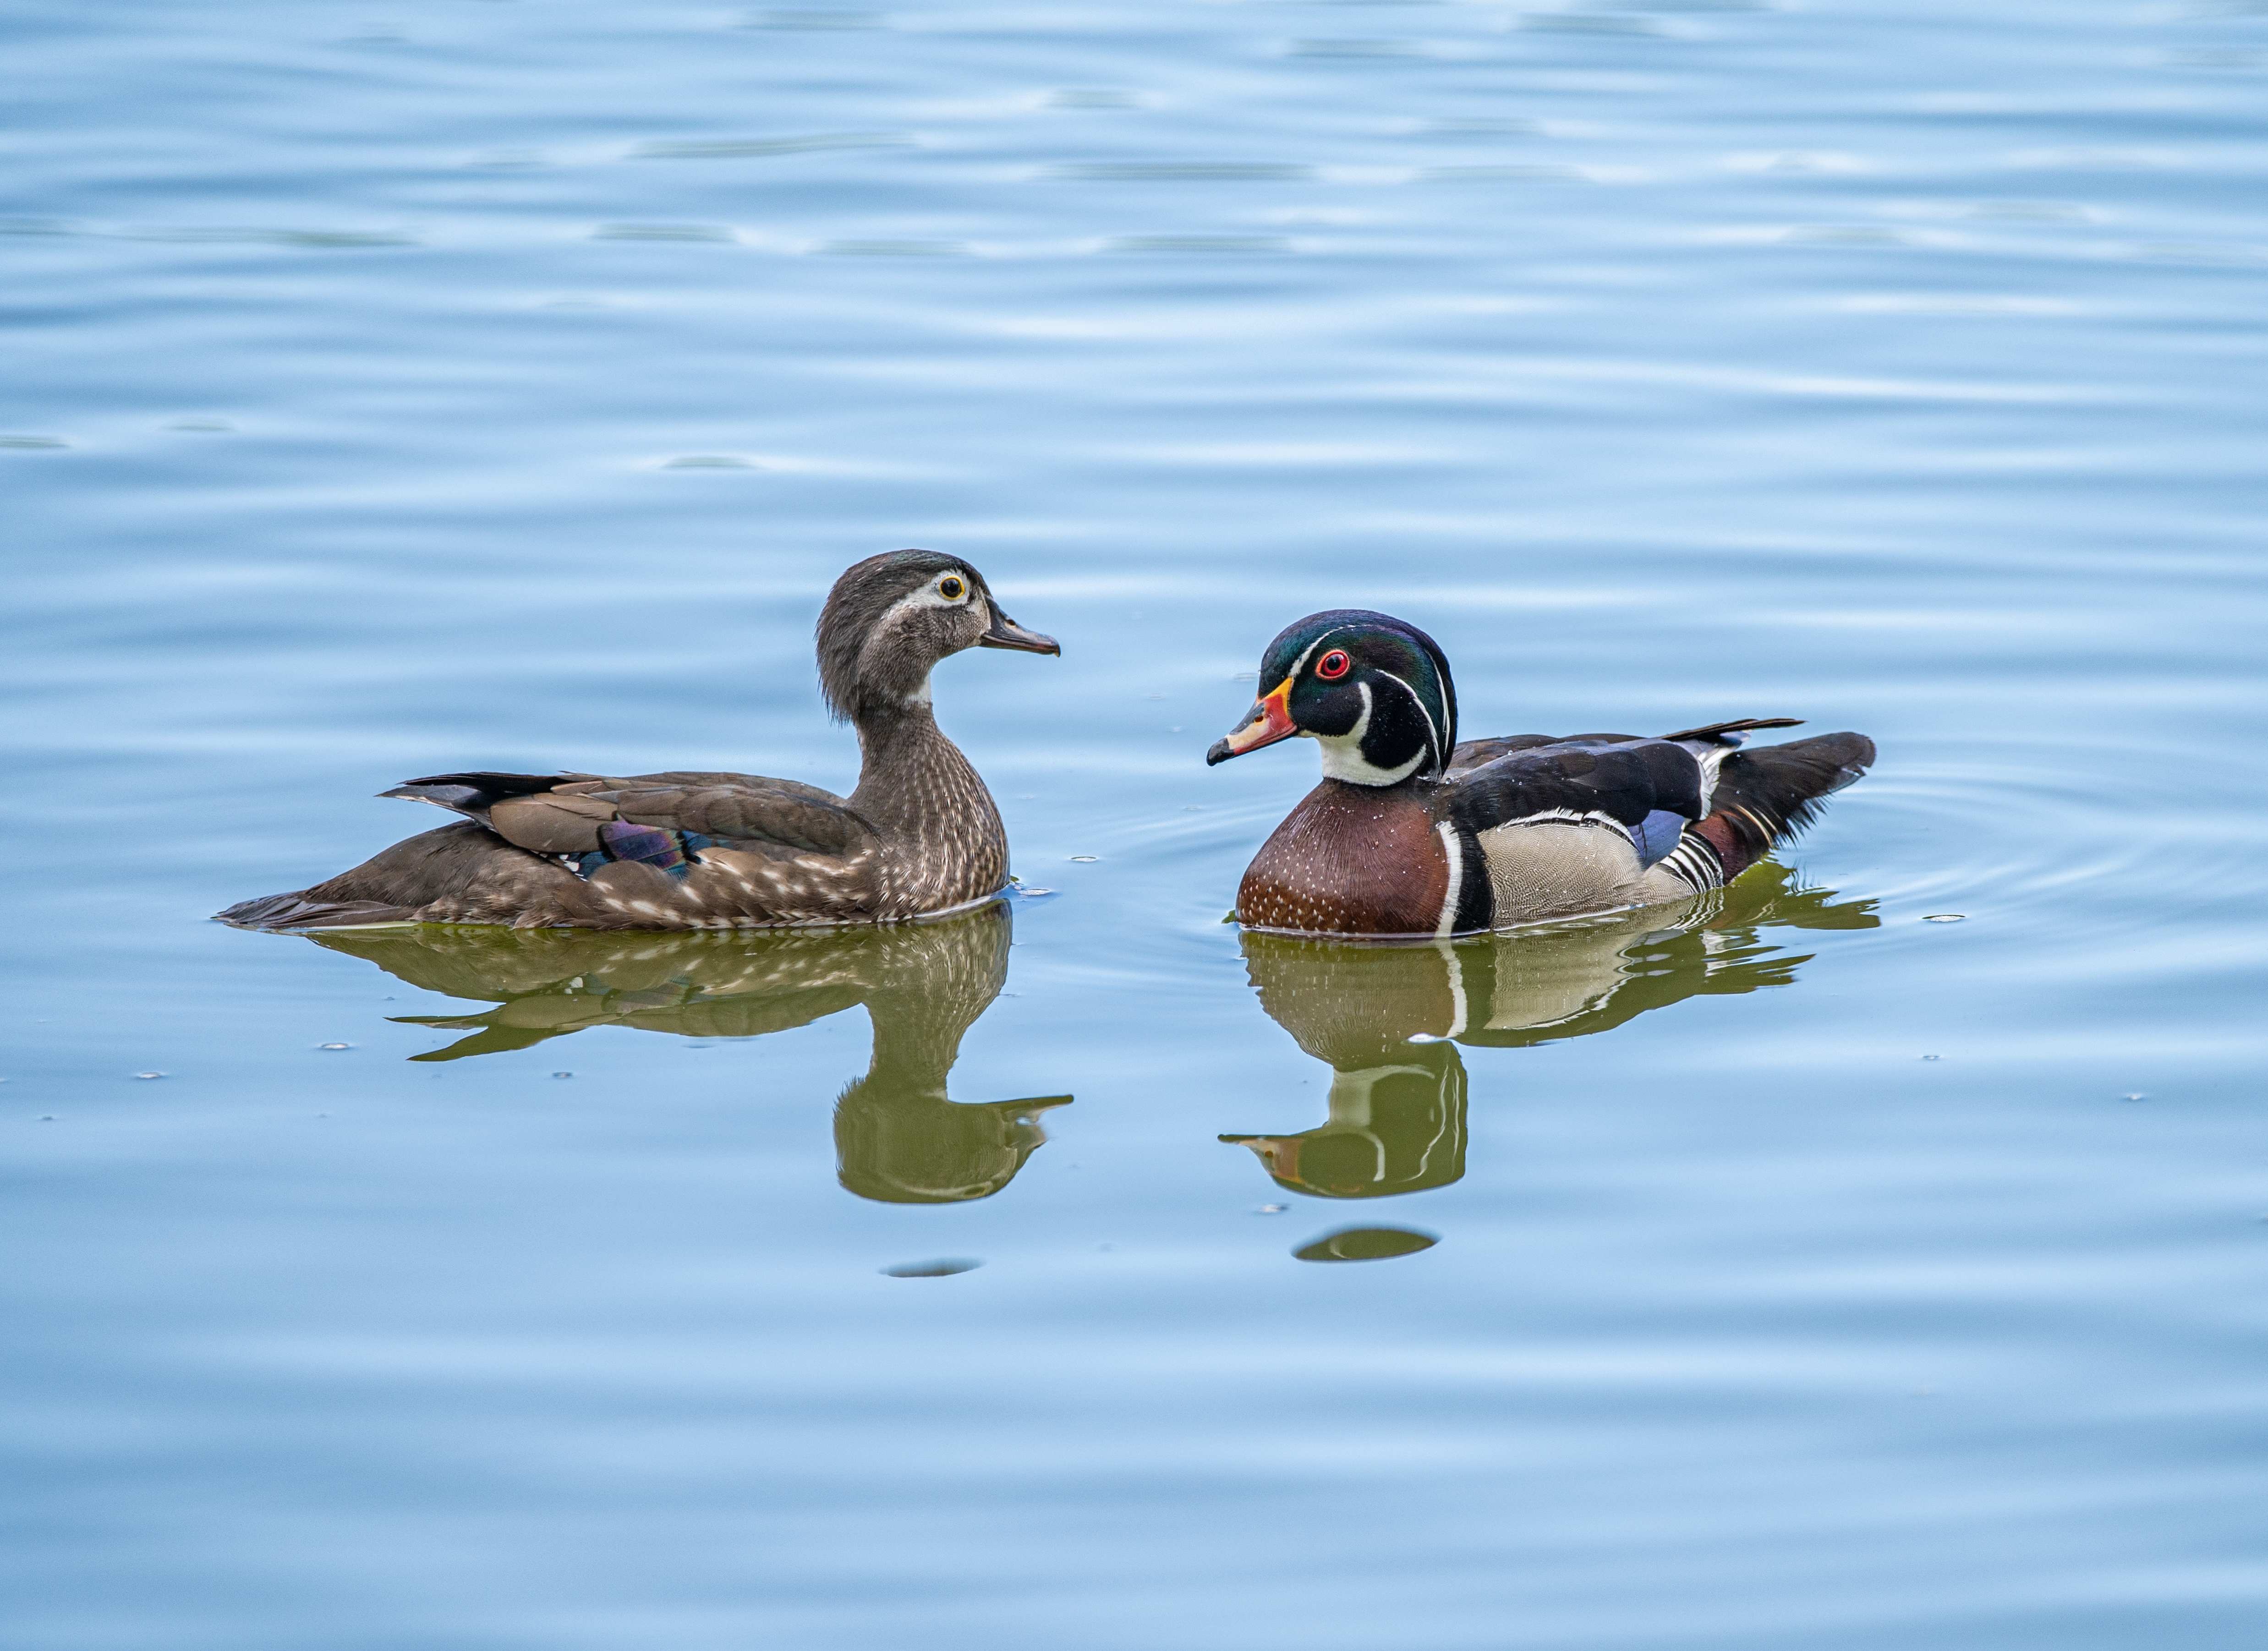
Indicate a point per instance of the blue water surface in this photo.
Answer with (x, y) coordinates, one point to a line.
(417, 386)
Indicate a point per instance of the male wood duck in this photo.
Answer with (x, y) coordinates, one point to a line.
(1411, 833)
(918, 837)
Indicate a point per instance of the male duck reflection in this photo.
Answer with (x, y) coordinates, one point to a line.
(695, 850)
(898, 1137)
(1389, 1019)
(1412, 833)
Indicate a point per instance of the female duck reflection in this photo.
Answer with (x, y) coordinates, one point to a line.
(898, 1138)
(1389, 1019)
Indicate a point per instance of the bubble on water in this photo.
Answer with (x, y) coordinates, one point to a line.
(145, 1076)
(2138, 1095)
(1035, 894)
(1424, 1037)
(942, 1267)
(1932, 1057)
(1946, 917)
(1085, 860)
(1365, 1243)
(562, 1074)
(1272, 1209)
(335, 1045)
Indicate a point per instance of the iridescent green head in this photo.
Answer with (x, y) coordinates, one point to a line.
(1373, 691)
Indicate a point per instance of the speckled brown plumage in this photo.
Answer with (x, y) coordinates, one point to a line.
(685, 849)
(1350, 859)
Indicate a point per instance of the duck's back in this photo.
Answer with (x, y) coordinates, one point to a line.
(682, 850)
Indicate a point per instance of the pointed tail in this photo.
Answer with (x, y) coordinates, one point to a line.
(1770, 793)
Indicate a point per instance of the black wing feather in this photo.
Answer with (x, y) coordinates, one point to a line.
(1625, 780)
(727, 807)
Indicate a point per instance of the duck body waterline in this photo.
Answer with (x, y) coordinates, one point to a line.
(917, 838)
(1412, 833)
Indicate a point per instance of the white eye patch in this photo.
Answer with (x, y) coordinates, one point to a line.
(948, 590)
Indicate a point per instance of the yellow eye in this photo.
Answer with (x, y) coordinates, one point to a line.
(951, 588)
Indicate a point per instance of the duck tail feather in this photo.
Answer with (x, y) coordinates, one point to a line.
(393, 885)
(1716, 733)
(1772, 794)
(279, 912)
(472, 794)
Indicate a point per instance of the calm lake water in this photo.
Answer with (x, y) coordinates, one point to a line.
(406, 387)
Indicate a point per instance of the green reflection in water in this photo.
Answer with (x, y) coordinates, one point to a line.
(1365, 1243)
(898, 1137)
(1389, 1019)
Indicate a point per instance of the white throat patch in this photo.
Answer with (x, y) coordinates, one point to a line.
(1343, 758)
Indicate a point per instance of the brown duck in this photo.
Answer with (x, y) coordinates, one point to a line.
(1411, 833)
(918, 837)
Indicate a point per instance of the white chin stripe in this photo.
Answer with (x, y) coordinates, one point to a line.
(1343, 758)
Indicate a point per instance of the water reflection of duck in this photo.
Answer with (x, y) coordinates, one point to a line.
(897, 1137)
(1389, 1017)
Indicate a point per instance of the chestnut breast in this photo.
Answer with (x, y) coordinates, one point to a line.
(1350, 860)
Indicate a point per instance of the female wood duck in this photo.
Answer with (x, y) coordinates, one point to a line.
(919, 836)
(1411, 833)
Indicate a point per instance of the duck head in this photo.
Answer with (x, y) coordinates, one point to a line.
(891, 618)
(1372, 690)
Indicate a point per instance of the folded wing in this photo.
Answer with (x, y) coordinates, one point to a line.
(1650, 788)
(581, 814)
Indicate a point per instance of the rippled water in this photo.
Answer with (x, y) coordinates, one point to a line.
(411, 387)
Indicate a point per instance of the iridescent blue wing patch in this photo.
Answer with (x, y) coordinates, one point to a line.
(1657, 834)
(648, 845)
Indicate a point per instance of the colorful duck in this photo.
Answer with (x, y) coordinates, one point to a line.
(1412, 833)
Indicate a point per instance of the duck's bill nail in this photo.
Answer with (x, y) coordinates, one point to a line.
(1268, 721)
(1006, 633)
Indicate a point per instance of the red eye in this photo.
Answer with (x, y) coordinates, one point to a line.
(1331, 666)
